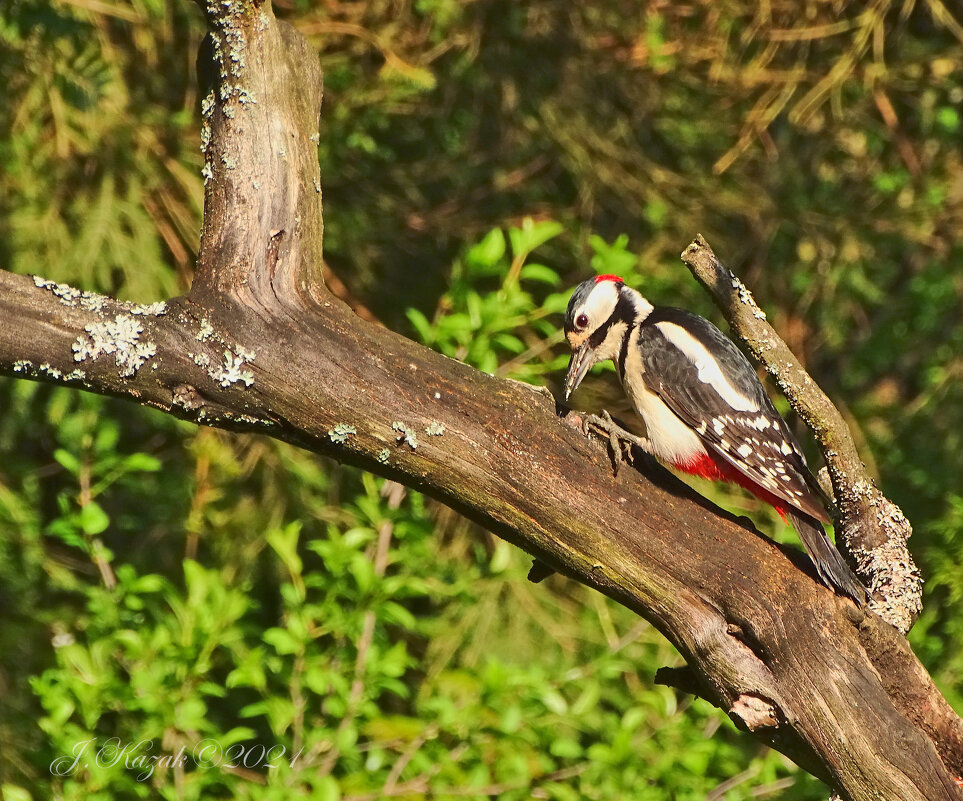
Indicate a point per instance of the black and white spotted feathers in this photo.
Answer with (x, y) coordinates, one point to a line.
(707, 381)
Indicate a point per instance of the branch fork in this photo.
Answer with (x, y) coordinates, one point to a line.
(260, 345)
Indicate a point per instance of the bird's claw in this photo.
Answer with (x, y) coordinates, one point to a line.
(620, 441)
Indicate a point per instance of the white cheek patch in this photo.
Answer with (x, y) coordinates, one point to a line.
(708, 368)
(609, 349)
(601, 303)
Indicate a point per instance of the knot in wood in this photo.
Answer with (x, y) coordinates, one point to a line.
(187, 397)
(755, 712)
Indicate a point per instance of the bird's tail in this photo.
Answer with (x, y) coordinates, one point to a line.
(833, 571)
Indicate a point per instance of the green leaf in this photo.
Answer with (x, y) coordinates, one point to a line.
(189, 714)
(566, 748)
(108, 433)
(556, 702)
(613, 259)
(486, 254)
(556, 303)
(11, 792)
(284, 541)
(948, 118)
(501, 557)
(532, 234)
(326, 789)
(281, 641)
(67, 460)
(633, 718)
(419, 77)
(539, 272)
(93, 519)
(142, 462)
(424, 329)
(65, 529)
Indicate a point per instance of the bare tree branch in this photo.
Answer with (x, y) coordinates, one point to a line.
(873, 527)
(260, 345)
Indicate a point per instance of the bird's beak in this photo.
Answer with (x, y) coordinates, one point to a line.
(582, 360)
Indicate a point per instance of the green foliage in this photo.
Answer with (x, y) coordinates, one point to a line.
(488, 318)
(189, 588)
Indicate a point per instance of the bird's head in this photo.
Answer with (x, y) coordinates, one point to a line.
(599, 316)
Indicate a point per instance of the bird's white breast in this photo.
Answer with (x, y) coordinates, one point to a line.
(672, 440)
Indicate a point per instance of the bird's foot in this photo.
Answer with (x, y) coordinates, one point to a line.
(620, 441)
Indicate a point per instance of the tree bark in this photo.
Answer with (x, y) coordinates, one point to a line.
(260, 345)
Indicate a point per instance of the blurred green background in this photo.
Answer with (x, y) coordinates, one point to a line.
(164, 583)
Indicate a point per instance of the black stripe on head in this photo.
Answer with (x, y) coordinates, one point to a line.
(624, 312)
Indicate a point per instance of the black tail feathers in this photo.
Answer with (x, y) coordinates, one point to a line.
(832, 569)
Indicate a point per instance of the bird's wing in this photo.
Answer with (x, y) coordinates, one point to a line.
(715, 391)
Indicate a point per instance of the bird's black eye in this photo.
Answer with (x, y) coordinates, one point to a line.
(581, 321)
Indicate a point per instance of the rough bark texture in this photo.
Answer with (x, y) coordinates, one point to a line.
(873, 527)
(260, 345)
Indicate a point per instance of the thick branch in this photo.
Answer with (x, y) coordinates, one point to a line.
(262, 203)
(259, 345)
(873, 527)
(744, 614)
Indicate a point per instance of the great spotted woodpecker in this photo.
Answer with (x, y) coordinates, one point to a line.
(704, 408)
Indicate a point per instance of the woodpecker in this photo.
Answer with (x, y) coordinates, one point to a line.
(705, 410)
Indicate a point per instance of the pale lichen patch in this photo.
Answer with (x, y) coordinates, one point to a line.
(149, 310)
(232, 371)
(200, 359)
(70, 296)
(383, 455)
(207, 104)
(252, 420)
(24, 366)
(341, 432)
(205, 331)
(435, 429)
(405, 434)
(746, 297)
(119, 337)
(230, 45)
(65, 292)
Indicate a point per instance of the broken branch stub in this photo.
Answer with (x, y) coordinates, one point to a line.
(872, 527)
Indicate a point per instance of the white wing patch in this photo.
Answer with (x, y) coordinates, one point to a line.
(707, 367)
